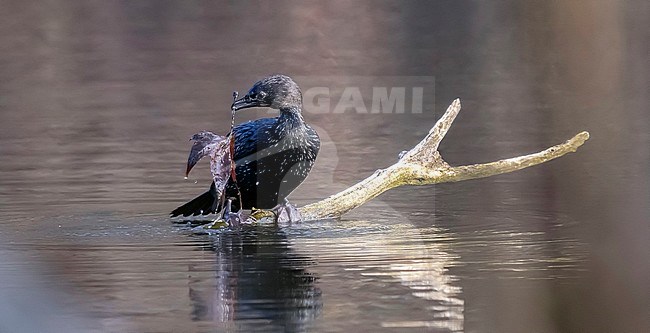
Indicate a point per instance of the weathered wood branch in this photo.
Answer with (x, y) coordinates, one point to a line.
(423, 165)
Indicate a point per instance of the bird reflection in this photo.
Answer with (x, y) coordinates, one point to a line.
(257, 279)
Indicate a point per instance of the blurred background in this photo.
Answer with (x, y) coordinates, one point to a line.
(99, 98)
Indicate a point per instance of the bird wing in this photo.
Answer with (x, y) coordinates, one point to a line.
(252, 137)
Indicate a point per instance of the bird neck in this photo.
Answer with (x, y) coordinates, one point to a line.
(291, 115)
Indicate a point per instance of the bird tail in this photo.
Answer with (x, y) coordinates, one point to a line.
(204, 204)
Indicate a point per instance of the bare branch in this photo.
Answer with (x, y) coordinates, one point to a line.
(465, 172)
(423, 165)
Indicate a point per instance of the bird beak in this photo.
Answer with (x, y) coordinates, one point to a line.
(244, 103)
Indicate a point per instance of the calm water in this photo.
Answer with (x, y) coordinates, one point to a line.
(98, 99)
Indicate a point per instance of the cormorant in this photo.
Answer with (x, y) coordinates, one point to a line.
(272, 155)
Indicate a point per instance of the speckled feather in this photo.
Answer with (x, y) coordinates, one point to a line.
(272, 156)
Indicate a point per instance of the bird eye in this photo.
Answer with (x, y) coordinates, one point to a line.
(262, 94)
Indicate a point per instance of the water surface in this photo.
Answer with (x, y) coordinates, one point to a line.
(98, 99)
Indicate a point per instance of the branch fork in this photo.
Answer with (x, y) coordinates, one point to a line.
(423, 165)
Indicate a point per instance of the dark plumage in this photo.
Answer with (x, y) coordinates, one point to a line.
(272, 155)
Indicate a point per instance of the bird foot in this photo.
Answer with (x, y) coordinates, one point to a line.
(286, 213)
(228, 217)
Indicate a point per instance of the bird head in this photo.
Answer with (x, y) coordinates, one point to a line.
(276, 91)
